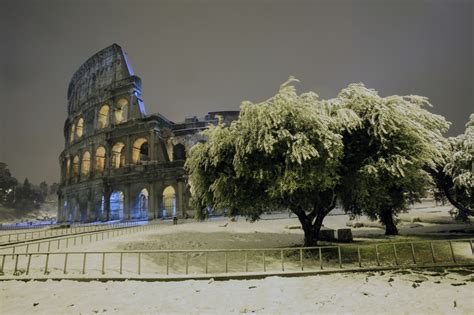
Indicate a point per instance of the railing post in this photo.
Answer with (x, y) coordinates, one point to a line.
(3, 264)
(84, 264)
(432, 253)
(65, 263)
(413, 253)
(46, 264)
(472, 248)
(205, 262)
(452, 251)
(264, 265)
(167, 262)
(377, 254)
(187, 262)
(395, 254)
(139, 262)
(246, 262)
(301, 259)
(16, 264)
(38, 249)
(121, 259)
(225, 260)
(339, 255)
(282, 262)
(320, 258)
(28, 265)
(358, 257)
(103, 263)
(27, 248)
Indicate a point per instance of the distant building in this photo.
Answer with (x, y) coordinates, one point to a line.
(120, 163)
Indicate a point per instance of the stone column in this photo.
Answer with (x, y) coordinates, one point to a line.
(127, 202)
(151, 201)
(128, 151)
(151, 146)
(180, 209)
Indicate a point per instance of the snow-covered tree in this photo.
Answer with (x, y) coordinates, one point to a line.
(385, 155)
(284, 152)
(454, 173)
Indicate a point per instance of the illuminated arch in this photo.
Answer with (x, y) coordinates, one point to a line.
(68, 167)
(103, 117)
(100, 159)
(169, 202)
(86, 164)
(72, 133)
(116, 205)
(118, 155)
(80, 127)
(75, 166)
(141, 208)
(140, 151)
(121, 111)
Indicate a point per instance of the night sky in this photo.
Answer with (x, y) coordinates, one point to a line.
(200, 56)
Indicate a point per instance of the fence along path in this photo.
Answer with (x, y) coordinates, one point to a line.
(189, 264)
(54, 231)
(64, 242)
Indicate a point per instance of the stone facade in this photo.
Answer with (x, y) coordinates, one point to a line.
(120, 163)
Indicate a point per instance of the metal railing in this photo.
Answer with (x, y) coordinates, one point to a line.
(55, 232)
(63, 242)
(242, 262)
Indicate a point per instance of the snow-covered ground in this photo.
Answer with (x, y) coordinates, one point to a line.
(395, 292)
(360, 293)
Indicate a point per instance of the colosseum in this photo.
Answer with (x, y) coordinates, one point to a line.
(120, 163)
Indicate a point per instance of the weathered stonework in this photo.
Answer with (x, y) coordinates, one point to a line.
(118, 162)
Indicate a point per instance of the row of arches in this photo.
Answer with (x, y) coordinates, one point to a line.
(103, 119)
(139, 210)
(83, 165)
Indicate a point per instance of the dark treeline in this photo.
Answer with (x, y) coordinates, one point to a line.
(22, 197)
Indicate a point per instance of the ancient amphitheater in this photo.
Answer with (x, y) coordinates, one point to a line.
(120, 163)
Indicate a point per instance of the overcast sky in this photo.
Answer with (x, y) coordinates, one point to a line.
(200, 56)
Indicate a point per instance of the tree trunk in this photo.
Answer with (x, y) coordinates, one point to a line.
(386, 217)
(310, 229)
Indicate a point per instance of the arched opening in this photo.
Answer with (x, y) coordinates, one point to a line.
(116, 205)
(179, 152)
(86, 164)
(80, 127)
(140, 151)
(74, 214)
(141, 205)
(103, 117)
(118, 155)
(100, 160)
(169, 202)
(75, 167)
(68, 168)
(121, 111)
(72, 133)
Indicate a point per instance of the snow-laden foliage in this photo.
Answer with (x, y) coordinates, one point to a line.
(298, 152)
(460, 159)
(283, 152)
(453, 174)
(385, 156)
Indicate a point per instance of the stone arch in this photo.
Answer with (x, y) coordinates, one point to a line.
(121, 111)
(68, 168)
(169, 202)
(100, 159)
(141, 204)
(80, 128)
(118, 155)
(103, 117)
(86, 164)
(179, 152)
(117, 202)
(140, 151)
(72, 133)
(75, 167)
